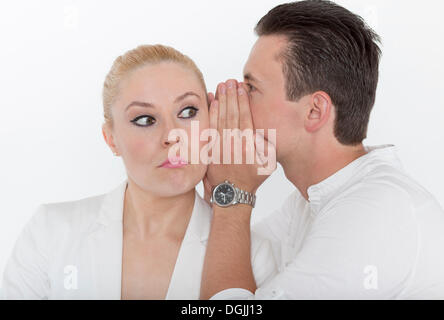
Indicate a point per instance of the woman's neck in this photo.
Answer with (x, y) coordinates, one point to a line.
(146, 215)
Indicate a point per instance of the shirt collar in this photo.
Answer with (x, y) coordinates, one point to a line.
(320, 193)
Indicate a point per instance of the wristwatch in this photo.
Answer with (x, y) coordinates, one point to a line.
(225, 194)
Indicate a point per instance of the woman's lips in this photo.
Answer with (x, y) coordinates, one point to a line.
(176, 162)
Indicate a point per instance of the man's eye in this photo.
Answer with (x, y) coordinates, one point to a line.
(188, 112)
(250, 87)
(143, 121)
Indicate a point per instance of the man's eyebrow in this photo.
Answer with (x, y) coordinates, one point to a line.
(248, 76)
(149, 105)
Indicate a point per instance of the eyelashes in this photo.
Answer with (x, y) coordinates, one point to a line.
(147, 120)
(188, 109)
(144, 121)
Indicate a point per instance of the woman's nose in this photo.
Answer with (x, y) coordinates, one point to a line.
(170, 137)
(168, 142)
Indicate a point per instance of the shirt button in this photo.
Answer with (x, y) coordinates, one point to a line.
(277, 293)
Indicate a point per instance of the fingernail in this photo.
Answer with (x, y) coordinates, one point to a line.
(222, 89)
(240, 91)
(230, 84)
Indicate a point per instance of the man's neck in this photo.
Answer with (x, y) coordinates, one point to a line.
(318, 164)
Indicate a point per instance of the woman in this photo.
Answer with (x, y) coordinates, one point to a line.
(145, 239)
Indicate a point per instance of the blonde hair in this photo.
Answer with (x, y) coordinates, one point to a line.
(137, 58)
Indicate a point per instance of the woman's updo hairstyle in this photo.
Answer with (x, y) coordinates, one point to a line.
(135, 59)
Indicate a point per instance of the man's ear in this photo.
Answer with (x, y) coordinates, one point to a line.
(109, 137)
(318, 112)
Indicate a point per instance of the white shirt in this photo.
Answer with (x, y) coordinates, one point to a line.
(367, 232)
(73, 250)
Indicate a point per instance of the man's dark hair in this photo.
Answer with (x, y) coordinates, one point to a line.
(332, 50)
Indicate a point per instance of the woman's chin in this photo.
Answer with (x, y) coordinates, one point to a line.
(175, 189)
(179, 182)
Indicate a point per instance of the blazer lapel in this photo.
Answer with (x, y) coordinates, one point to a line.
(186, 278)
(105, 243)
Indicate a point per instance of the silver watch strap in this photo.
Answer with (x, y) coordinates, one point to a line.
(245, 197)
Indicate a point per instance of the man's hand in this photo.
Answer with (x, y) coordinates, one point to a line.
(227, 260)
(230, 115)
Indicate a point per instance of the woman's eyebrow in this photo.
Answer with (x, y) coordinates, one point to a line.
(186, 94)
(140, 104)
(150, 105)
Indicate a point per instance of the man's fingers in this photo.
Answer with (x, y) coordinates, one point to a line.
(214, 114)
(265, 154)
(222, 99)
(232, 105)
(210, 98)
(245, 119)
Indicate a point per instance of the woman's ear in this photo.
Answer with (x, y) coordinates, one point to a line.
(318, 112)
(109, 137)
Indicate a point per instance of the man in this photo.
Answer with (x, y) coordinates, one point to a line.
(356, 226)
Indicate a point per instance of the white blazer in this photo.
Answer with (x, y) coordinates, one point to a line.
(73, 250)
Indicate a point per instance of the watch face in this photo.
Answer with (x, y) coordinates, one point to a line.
(224, 194)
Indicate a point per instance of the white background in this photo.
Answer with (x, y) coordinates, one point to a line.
(55, 54)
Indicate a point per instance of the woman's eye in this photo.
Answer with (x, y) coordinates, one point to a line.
(188, 112)
(144, 121)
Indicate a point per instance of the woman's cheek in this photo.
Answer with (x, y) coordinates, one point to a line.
(138, 147)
